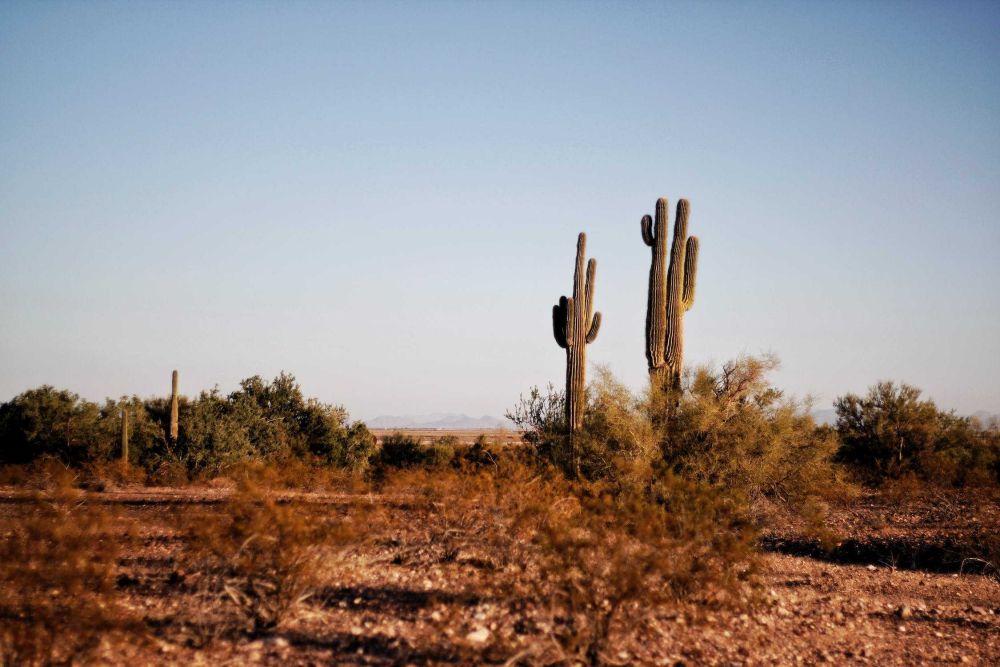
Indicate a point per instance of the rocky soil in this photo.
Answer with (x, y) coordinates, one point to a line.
(875, 605)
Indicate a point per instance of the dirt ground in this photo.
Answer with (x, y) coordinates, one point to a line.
(893, 596)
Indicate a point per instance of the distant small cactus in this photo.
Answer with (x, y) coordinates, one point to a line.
(125, 436)
(174, 409)
(575, 325)
(671, 292)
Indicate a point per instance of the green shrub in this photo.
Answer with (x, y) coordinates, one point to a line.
(890, 433)
(48, 422)
(405, 451)
(733, 429)
(728, 428)
(259, 423)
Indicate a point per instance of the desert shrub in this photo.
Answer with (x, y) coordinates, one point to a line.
(405, 451)
(891, 433)
(481, 454)
(732, 428)
(264, 556)
(57, 575)
(48, 422)
(728, 427)
(619, 443)
(606, 557)
(596, 557)
(541, 418)
(260, 422)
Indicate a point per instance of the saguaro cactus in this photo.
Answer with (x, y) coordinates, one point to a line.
(174, 409)
(671, 292)
(574, 325)
(125, 436)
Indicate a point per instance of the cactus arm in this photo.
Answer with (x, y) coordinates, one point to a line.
(681, 223)
(690, 271)
(589, 291)
(559, 324)
(595, 325)
(662, 218)
(578, 272)
(647, 230)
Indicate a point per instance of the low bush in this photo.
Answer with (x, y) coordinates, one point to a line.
(605, 558)
(266, 557)
(728, 428)
(733, 429)
(594, 557)
(891, 433)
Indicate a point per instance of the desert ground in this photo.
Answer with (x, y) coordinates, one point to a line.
(893, 588)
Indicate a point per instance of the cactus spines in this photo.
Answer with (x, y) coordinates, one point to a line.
(125, 436)
(671, 292)
(575, 325)
(174, 409)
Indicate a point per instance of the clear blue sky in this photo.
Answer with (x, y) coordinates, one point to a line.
(383, 198)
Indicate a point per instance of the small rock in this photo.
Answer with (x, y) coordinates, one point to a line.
(436, 616)
(904, 612)
(901, 628)
(279, 643)
(872, 568)
(357, 631)
(478, 636)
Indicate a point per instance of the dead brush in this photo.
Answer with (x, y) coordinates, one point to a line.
(265, 556)
(602, 561)
(57, 582)
(466, 517)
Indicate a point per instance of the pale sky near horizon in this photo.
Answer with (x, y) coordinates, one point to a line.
(383, 198)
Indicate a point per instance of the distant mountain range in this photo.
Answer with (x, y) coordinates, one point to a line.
(438, 420)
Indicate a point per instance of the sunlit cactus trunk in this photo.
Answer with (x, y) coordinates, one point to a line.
(174, 408)
(125, 437)
(575, 325)
(671, 292)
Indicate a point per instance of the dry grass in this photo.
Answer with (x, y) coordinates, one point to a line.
(595, 558)
(57, 576)
(264, 556)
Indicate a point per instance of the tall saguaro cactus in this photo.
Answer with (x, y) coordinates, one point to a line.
(174, 409)
(574, 325)
(671, 292)
(125, 436)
